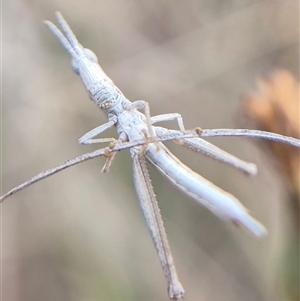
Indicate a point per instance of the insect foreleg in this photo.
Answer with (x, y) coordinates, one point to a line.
(88, 137)
(110, 157)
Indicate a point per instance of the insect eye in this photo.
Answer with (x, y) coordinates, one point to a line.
(90, 55)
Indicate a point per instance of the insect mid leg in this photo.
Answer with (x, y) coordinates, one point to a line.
(168, 117)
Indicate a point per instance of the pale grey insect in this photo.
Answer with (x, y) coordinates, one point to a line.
(136, 131)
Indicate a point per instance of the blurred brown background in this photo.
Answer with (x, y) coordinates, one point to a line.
(80, 235)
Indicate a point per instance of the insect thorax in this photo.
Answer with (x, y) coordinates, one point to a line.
(105, 94)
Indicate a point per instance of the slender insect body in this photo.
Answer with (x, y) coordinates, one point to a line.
(220, 202)
(133, 127)
(204, 192)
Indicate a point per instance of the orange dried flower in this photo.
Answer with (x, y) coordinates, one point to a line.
(275, 108)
